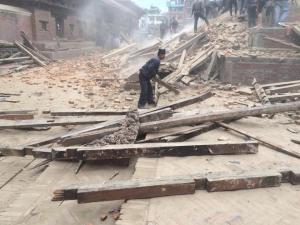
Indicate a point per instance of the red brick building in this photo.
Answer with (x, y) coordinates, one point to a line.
(47, 20)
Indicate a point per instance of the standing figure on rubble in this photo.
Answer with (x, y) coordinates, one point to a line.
(147, 72)
(233, 3)
(252, 12)
(281, 11)
(163, 29)
(174, 25)
(198, 12)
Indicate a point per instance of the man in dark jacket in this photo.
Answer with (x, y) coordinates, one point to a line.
(252, 12)
(147, 72)
(198, 12)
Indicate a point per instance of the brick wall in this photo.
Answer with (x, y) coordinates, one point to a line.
(239, 70)
(256, 37)
(41, 34)
(11, 24)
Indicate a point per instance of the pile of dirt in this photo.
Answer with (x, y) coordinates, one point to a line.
(126, 135)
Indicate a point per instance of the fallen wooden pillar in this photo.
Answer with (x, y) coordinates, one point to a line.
(88, 113)
(132, 189)
(283, 89)
(85, 138)
(180, 149)
(181, 135)
(28, 52)
(278, 84)
(47, 123)
(161, 114)
(219, 116)
(211, 67)
(14, 59)
(290, 45)
(283, 97)
(243, 181)
(185, 102)
(119, 51)
(176, 185)
(166, 85)
(7, 112)
(16, 116)
(264, 142)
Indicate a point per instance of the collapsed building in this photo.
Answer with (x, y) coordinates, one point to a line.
(68, 24)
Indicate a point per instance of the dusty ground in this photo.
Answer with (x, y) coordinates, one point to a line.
(92, 83)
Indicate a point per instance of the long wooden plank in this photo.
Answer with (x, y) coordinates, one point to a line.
(166, 85)
(88, 113)
(219, 116)
(16, 117)
(278, 84)
(87, 137)
(7, 112)
(25, 50)
(264, 142)
(179, 149)
(283, 89)
(119, 51)
(174, 185)
(132, 189)
(186, 102)
(211, 66)
(278, 98)
(290, 45)
(14, 59)
(186, 45)
(47, 123)
(179, 135)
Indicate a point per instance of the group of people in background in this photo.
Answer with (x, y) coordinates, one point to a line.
(166, 27)
(274, 11)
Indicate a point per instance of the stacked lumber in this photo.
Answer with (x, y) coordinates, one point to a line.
(24, 55)
(278, 92)
(176, 185)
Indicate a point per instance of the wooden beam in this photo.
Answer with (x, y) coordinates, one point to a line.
(156, 150)
(176, 185)
(283, 97)
(119, 51)
(283, 89)
(211, 67)
(161, 114)
(278, 84)
(7, 112)
(181, 135)
(28, 52)
(243, 181)
(290, 45)
(264, 142)
(166, 85)
(185, 102)
(131, 189)
(200, 59)
(85, 138)
(16, 117)
(14, 59)
(47, 123)
(88, 113)
(186, 44)
(219, 116)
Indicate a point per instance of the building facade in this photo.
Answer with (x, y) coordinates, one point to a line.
(180, 9)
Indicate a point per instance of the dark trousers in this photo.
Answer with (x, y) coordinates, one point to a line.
(233, 3)
(242, 7)
(196, 17)
(252, 16)
(146, 95)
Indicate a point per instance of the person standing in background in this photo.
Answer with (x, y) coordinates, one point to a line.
(281, 11)
(233, 3)
(252, 12)
(198, 12)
